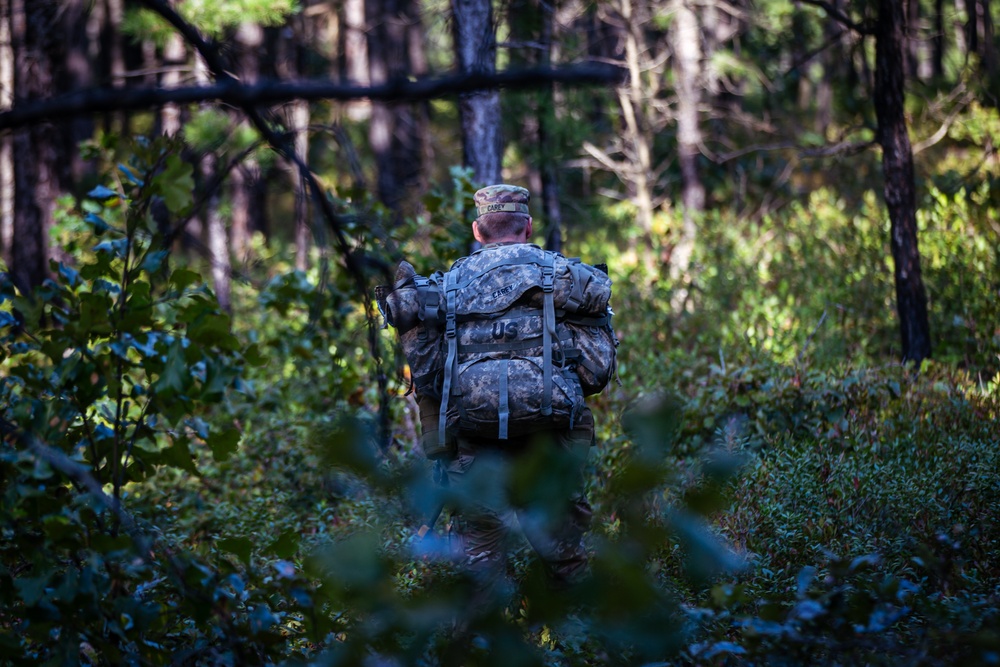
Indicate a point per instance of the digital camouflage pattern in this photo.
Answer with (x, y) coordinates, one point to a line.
(499, 367)
(501, 198)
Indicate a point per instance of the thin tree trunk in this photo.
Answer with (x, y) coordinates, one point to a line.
(476, 49)
(397, 130)
(76, 73)
(300, 125)
(6, 141)
(688, 73)
(356, 64)
(174, 59)
(630, 98)
(115, 16)
(546, 122)
(245, 178)
(897, 165)
(938, 41)
(214, 224)
(32, 22)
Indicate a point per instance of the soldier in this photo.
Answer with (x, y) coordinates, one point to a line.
(503, 348)
(481, 464)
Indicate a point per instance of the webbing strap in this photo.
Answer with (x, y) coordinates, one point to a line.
(498, 263)
(548, 333)
(452, 355)
(575, 298)
(504, 412)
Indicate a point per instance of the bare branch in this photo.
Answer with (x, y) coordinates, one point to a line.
(837, 15)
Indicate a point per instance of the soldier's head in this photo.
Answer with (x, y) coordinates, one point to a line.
(502, 214)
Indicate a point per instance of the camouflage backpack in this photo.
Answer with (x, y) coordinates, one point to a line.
(509, 340)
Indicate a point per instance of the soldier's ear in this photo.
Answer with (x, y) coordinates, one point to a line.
(475, 232)
(527, 230)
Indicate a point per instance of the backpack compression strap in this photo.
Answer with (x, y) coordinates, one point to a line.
(451, 358)
(548, 333)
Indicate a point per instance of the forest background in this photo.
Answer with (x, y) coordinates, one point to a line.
(209, 449)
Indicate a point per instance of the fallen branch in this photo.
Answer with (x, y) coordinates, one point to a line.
(270, 92)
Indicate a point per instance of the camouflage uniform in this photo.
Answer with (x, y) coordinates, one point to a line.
(482, 466)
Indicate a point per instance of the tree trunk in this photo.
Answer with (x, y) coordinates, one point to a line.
(397, 130)
(6, 141)
(897, 166)
(688, 76)
(32, 22)
(245, 178)
(116, 51)
(551, 208)
(356, 65)
(938, 41)
(213, 222)
(174, 60)
(476, 51)
(76, 73)
(300, 125)
(630, 98)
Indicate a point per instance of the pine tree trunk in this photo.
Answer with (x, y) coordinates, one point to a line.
(549, 167)
(303, 235)
(75, 73)
(356, 64)
(397, 130)
(897, 166)
(476, 50)
(174, 59)
(32, 22)
(6, 141)
(630, 98)
(688, 75)
(245, 178)
(938, 40)
(212, 220)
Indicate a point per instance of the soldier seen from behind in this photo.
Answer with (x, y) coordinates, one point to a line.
(502, 349)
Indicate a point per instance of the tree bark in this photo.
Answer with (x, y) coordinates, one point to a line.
(6, 141)
(174, 59)
(938, 40)
(76, 73)
(476, 51)
(396, 130)
(630, 98)
(688, 76)
(897, 166)
(356, 65)
(303, 234)
(245, 178)
(214, 224)
(32, 22)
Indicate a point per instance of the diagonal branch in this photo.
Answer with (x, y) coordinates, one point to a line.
(865, 28)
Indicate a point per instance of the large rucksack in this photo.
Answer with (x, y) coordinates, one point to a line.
(509, 340)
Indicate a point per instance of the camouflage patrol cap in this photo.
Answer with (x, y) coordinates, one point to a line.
(501, 198)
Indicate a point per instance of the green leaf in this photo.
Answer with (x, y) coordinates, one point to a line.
(102, 193)
(97, 222)
(286, 546)
(153, 262)
(175, 184)
(223, 444)
(183, 278)
(241, 547)
(177, 455)
(176, 376)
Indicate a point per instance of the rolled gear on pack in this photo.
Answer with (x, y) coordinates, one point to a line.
(509, 340)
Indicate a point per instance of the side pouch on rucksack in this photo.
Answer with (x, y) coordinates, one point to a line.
(411, 307)
(592, 348)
